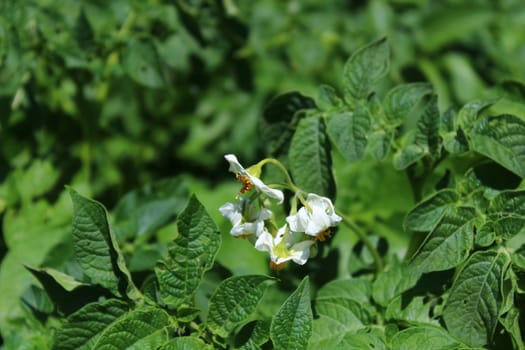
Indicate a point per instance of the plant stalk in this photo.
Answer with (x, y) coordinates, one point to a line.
(363, 237)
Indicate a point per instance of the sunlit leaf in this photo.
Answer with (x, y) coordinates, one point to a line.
(141, 62)
(449, 243)
(472, 308)
(310, 160)
(280, 118)
(349, 132)
(364, 68)
(292, 325)
(192, 254)
(424, 338)
(84, 327)
(402, 99)
(96, 247)
(234, 300)
(426, 214)
(144, 329)
(501, 139)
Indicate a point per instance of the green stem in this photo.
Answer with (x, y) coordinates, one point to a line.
(363, 237)
(280, 165)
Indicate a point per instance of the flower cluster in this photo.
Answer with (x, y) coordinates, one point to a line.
(252, 219)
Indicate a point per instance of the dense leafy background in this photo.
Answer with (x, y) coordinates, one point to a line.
(135, 102)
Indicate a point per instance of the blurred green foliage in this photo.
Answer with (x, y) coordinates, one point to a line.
(124, 92)
(110, 96)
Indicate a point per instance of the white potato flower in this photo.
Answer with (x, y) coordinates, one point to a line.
(315, 218)
(245, 217)
(283, 247)
(250, 179)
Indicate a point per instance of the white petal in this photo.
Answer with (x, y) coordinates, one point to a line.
(264, 242)
(321, 215)
(335, 219)
(265, 214)
(320, 202)
(248, 228)
(317, 223)
(231, 211)
(259, 228)
(235, 166)
(299, 221)
(293, 222)
(301, 252)
(270, 192)
(278, 260)
(279, 235)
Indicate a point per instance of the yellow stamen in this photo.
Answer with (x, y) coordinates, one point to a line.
(277, 267)
(323, 235)
(246, 183)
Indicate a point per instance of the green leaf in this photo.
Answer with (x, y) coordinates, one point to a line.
(501, 139)
(454, 139)
(422, 141)
(66, 293)
(472, 308)
(67, 282)
(418, 311)
(31, 233)
(234, 300)
(177, 50)
(96, 248)
(37, 303)
(451, 23)
(280, 118)
(379, 143)
(402, 99)
(511, 322)
(518, 258)
(510, 311)
(347, 313)
(35, 180)
(370, 339)
(507, 211)
(424, 338)
(428, 127)
(327, 335)
(327, 98)
(409, 154)
(192, 254)
(349, 132)
(358, 289)
(83, 31)
(260, 335)
(184, 343)
(83, 328)
(364, 68)
(141, 63)
(449, 243)
(310, 160)
(468, 114)
(292, 325)
(346, 302)
(142, 329)
(394, 281)
(426, 214)
(344, 306)
(485, 235)
(141, 212)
